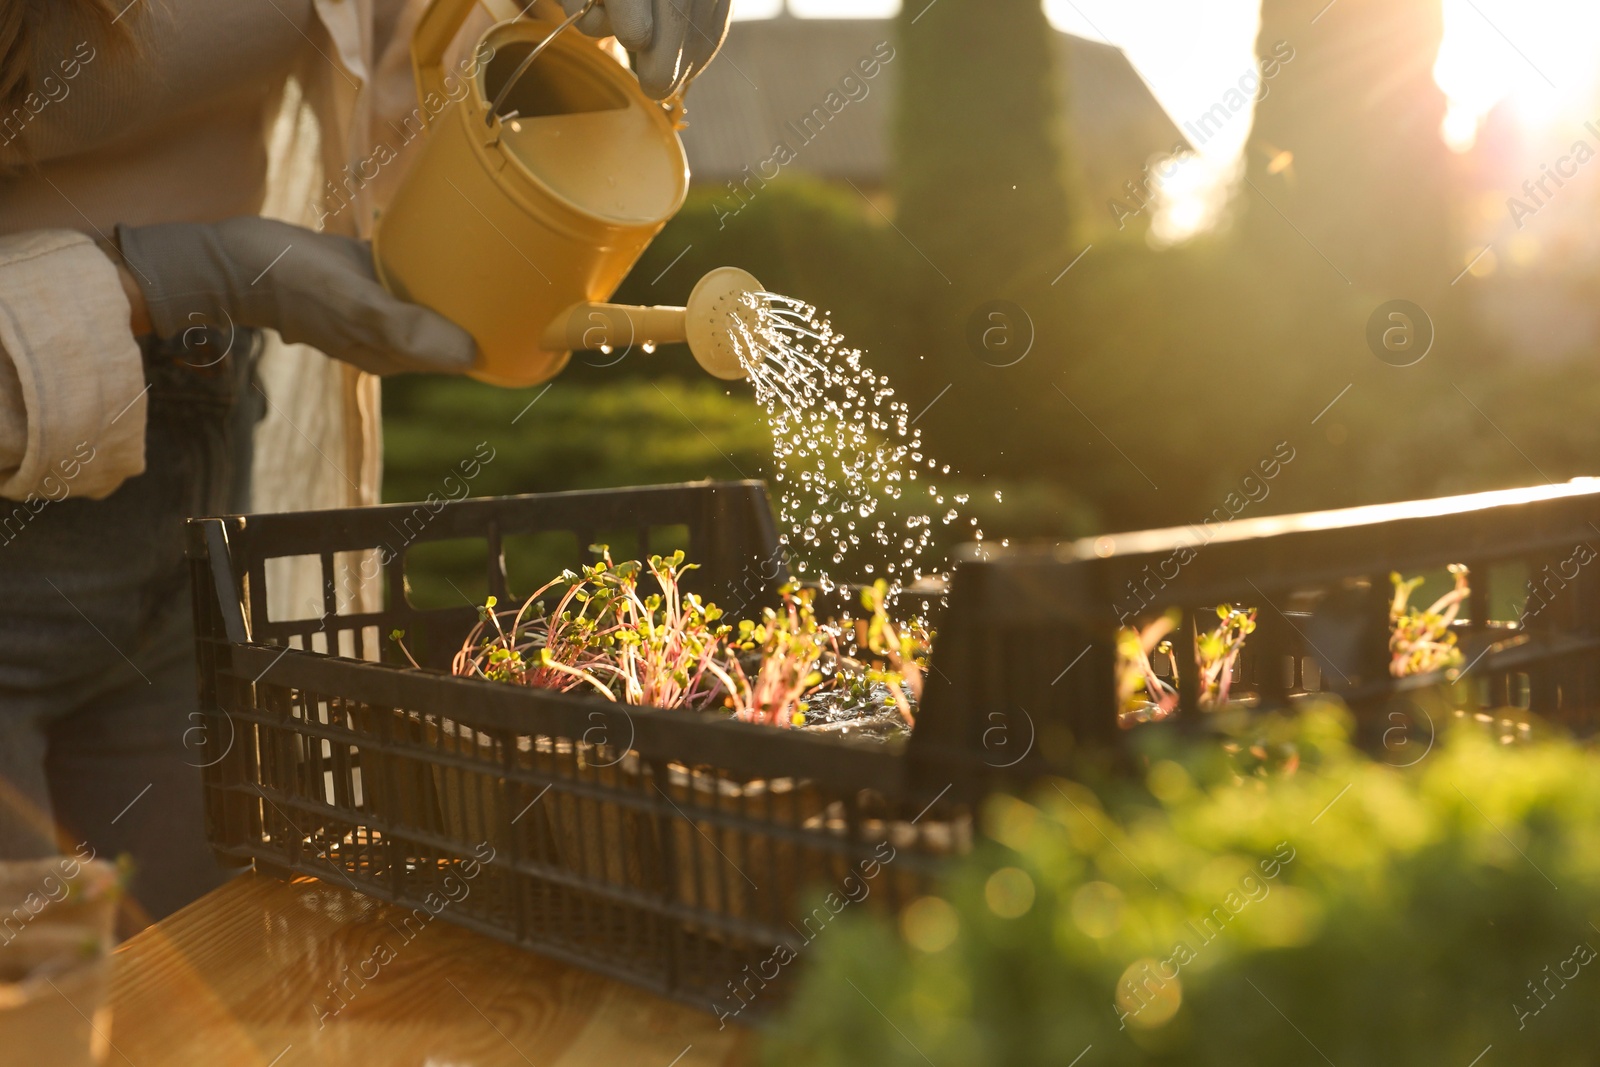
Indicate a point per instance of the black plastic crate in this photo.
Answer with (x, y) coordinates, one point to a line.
(1026, 652)
(671, 849)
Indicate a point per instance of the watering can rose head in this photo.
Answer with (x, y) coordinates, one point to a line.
(538, 188)
(723, 315)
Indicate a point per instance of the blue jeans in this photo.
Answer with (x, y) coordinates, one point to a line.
(97, 673)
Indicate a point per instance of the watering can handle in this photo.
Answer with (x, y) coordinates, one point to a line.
(522, 68)
(437, 28)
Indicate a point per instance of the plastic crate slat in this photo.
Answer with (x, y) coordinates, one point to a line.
(680, 736)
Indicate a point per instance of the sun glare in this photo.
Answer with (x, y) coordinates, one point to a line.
(1543, 56)
(1540, 57)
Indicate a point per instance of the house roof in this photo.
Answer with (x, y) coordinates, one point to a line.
(772, 72)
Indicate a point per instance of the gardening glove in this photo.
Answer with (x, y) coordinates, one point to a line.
(316, 288)
(672, 40)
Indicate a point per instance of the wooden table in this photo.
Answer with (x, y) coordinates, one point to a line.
(263, 973)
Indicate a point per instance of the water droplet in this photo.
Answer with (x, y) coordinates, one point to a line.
(842, 443)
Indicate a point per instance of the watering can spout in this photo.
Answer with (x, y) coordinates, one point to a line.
(716, 311)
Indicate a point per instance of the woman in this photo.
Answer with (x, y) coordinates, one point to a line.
(150, 316)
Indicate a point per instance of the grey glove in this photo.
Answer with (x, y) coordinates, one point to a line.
(672, 39)
(315, 288)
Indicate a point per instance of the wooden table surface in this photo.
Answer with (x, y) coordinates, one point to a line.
(263, 973)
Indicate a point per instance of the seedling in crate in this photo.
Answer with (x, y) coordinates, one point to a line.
(1217, 652)
(662, 646)
(547, 650)
(399, 638)
(904, 651)
(1421, 642)
(788, 643)
(1143, 695)
(656, 648)
(669, 649)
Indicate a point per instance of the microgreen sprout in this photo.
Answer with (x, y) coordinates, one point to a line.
(399, 638)
(1421, 641)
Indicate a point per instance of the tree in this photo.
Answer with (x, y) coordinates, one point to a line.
(979, 161)
(1346, 147)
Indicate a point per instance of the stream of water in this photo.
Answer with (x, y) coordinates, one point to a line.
(858, 495)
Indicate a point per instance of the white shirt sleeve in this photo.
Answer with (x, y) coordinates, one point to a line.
(72, 389)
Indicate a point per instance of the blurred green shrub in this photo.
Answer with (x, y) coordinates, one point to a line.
(1347, 912)
(576, 435)
(981, 165)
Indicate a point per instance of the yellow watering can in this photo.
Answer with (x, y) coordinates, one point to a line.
(536, 191)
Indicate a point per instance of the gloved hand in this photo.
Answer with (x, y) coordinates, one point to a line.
(674, 39)
(315, 288)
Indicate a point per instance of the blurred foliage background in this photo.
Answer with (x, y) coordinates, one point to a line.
(1305, 905)
(1158, 376)
(1412, 918)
